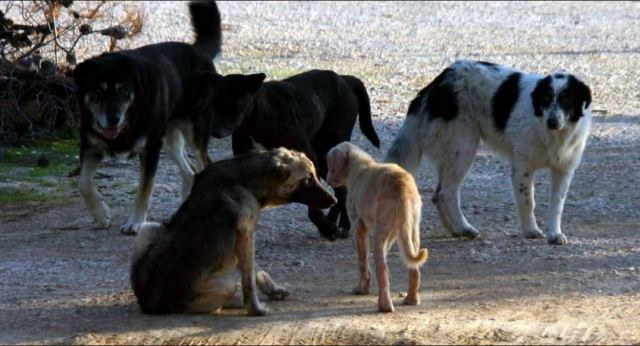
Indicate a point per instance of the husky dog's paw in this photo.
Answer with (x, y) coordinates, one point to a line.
(101, 216)
(533, 234)
(343, 232)
(557, 239)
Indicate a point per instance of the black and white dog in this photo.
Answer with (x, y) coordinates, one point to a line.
(133, 101)
(533, 120)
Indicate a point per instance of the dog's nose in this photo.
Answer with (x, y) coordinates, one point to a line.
(553, 123)
(113, 120)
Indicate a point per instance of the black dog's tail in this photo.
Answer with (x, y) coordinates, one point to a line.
(364, 109)
(205, 19)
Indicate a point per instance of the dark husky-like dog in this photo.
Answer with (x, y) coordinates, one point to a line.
(310, 112)
(133, 100)
(187, 265)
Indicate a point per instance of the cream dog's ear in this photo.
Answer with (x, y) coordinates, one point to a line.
(257, 147)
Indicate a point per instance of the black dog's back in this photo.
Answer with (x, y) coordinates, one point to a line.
(311, 112)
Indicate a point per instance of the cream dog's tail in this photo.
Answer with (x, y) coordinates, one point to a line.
(409, 238)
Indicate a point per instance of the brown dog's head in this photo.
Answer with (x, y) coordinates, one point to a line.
(299, 183)
(337, 162)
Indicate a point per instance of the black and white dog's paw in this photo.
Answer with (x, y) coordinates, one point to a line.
(533, 234)
(131, 228)
(467, 232)
(557, 239)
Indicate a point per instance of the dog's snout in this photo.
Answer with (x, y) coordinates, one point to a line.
(553, 123)
(113, 120)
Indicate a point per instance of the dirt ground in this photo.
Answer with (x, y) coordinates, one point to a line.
(61, 281)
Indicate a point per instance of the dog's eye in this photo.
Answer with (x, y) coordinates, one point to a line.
(123, 92)
(95, 95)
(563, 99)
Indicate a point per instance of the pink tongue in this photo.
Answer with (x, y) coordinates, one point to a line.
(110, 132)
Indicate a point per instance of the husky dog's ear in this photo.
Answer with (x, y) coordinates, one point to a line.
(581, 95)
(82, 74)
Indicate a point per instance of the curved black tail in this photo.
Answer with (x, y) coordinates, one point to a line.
(205, 19)
(364, 109)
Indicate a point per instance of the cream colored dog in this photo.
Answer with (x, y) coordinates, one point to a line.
(383, 198)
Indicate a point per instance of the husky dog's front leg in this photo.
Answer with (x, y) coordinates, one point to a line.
(148, 166)
(89, 192)
(560, 182)
(245, 248)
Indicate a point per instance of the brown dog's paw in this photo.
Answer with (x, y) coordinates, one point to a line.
(361, 291)
(386, 308)
(411, 300)
(258, 309)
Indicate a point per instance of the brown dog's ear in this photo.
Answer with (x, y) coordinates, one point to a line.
(279, 171)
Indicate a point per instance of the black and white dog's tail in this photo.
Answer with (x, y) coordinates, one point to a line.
(205, 19)
(406, 149)
(364, 109)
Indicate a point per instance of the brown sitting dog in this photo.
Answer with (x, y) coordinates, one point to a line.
(187, 265)
(383, 198)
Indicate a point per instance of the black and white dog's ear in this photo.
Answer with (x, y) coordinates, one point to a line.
(581, 96)
(542, 95)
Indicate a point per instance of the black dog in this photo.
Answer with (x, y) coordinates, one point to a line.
(310, 112)
(188, 264)
(132, 100)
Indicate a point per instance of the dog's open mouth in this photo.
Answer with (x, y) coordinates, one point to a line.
(110, 132)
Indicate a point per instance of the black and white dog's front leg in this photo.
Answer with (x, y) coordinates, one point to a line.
(560, 182)
(148, 166)
(89, 192)
(523, 190)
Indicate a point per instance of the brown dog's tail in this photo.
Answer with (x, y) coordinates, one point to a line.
(409, 238)
(364, 109)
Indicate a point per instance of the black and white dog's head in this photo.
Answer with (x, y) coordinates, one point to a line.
(107, 87)
(560, 100)
(228, 99)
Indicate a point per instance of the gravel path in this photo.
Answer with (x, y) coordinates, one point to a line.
(63, 282)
